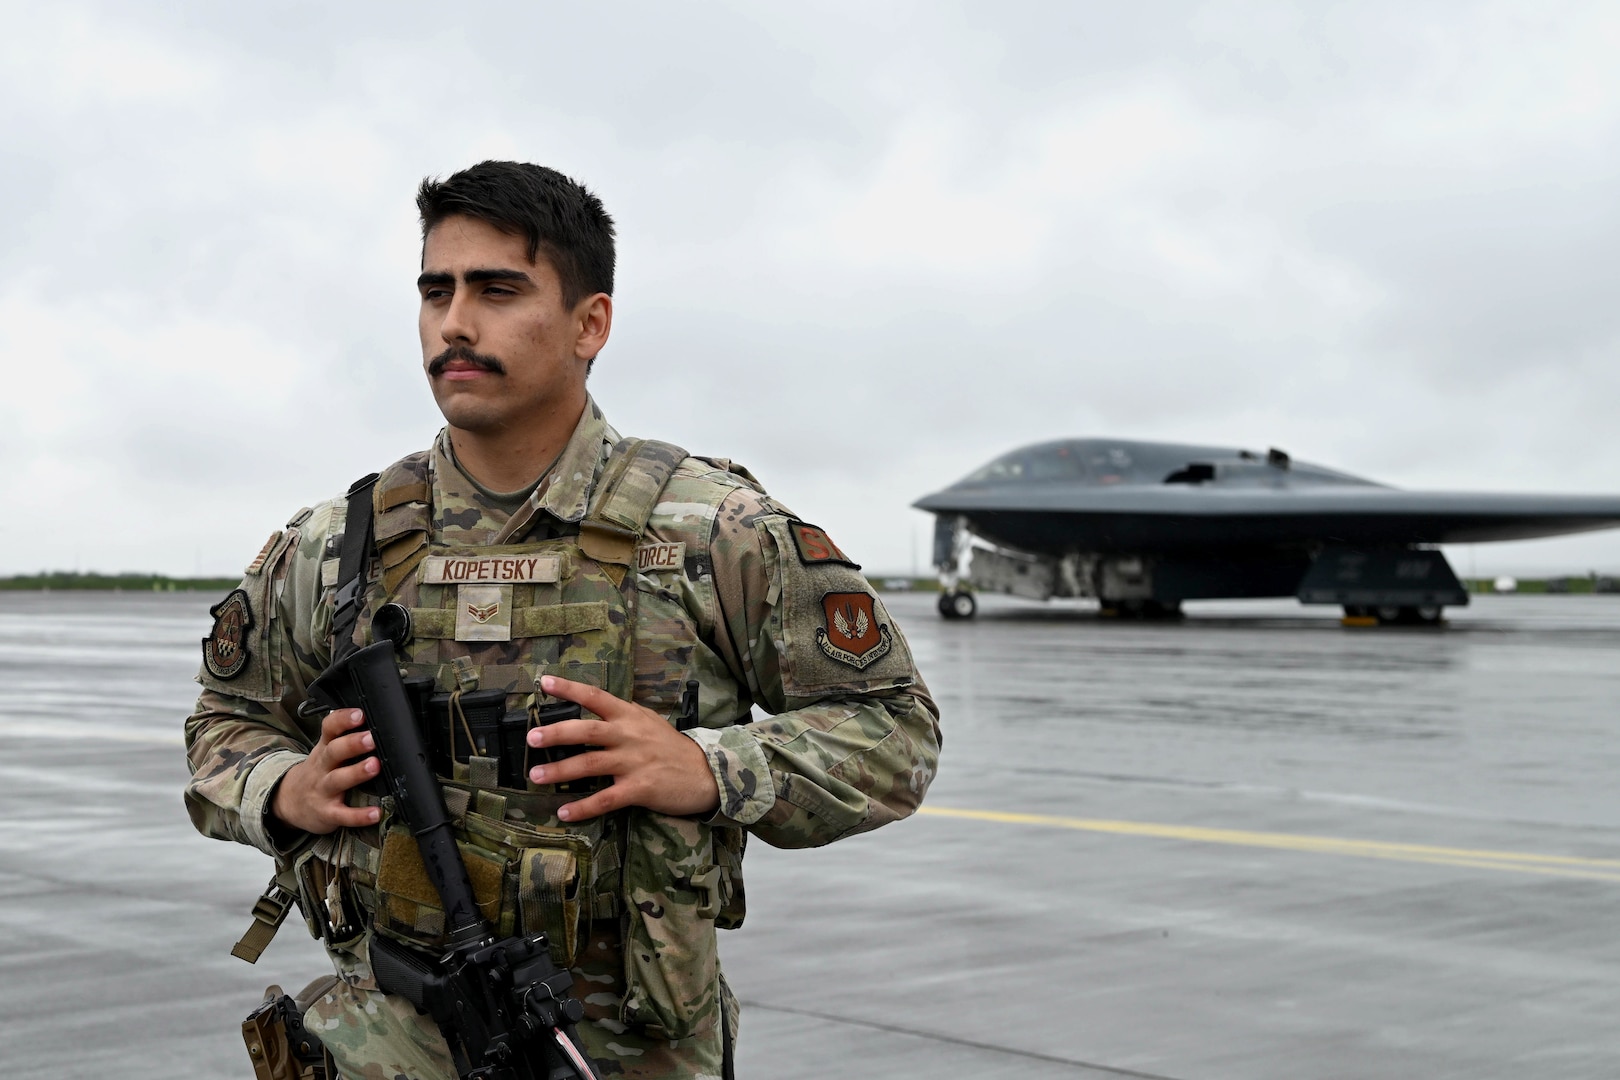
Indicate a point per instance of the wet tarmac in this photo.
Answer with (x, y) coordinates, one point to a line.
(1251, 844)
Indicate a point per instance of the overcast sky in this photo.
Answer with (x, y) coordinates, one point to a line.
(863, 248)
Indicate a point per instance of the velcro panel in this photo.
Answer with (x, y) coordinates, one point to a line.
(393, 577)
(400, 548)
(400, 554)
(556, 619)
(402, 494)
(401, 876)
(552, 620)
(607, 545)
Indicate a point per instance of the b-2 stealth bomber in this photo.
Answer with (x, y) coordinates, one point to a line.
(1144, 526)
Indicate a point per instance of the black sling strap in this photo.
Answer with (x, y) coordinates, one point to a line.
(357, 536)
(272, 907)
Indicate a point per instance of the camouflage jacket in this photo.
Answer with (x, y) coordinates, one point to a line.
(853, 737)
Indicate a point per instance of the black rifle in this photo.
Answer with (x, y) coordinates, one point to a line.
(503, 1005)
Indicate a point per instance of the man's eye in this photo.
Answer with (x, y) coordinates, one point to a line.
(435, 294)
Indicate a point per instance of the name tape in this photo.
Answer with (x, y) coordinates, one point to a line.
(459, 570)
(654, 557)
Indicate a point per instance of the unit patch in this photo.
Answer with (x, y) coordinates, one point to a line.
(816, 546)
(225, 651)
(654, 558)
(458, 569)
(853, 635)
(484, 613)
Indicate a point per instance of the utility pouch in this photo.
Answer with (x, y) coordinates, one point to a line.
(279, 1045)
(525, 878)
(673, 891)
(408, 906)
(729, 844)
(328, 900)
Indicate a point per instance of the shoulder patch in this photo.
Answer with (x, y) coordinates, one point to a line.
(225, 649)
(835, 634)
(300, 517)
(815, 546)
(851, 632)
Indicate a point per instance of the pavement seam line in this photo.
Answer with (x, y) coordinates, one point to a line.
(1511, 861)
(932, 1036)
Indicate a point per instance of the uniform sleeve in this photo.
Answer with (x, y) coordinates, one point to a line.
(269, 639)
(854, 739)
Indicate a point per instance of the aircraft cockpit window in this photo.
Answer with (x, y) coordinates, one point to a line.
(1058, 463)
(1111, 466)
(1010, 467)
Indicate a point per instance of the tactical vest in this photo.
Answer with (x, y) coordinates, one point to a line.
(485, 623)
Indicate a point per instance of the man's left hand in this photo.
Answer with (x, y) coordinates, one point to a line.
(651, 763)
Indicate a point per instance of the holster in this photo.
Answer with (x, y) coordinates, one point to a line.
(279, 1045)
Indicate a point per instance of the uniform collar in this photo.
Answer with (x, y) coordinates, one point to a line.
(564, 492)
(568, 493)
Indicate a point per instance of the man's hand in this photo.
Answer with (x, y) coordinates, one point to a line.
(311, 794)
(651, 763)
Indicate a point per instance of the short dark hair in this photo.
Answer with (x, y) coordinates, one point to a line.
(557, 215)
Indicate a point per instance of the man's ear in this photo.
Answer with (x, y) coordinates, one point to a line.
(594, 317)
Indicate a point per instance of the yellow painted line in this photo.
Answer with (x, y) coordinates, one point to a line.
(1511, 861)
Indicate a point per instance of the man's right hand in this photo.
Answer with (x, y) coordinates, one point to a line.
(311, 794)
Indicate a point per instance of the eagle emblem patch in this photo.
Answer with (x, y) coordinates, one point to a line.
(853, 635)
(225, 651)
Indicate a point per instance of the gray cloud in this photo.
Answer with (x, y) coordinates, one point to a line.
(862, 251)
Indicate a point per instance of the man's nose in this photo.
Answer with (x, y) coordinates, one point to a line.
(458, 326)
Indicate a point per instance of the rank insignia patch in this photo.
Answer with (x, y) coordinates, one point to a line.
(853, 635)
(483, 613)
(225, 651)
(816, 546)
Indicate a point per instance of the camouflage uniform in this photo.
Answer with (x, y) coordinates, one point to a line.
(724, 587)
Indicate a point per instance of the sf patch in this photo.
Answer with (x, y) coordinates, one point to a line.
(816, 547)
(225, 651)
(852, 635)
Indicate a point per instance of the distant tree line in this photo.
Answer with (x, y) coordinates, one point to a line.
(72, 579)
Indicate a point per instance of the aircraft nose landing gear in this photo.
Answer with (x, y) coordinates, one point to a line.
(957, 604)
(951, 542)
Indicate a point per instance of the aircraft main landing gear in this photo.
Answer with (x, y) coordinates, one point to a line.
(957, 604)
(1154, 610)
(1392, 615)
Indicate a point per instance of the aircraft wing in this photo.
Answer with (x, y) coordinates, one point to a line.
(1037, 516)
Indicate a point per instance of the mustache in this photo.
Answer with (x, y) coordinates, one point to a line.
(437, 365)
